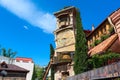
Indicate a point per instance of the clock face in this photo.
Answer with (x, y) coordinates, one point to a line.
(65, 37)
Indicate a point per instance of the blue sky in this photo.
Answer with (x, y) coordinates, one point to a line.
(26, 26)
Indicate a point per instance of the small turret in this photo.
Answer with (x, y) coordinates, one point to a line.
(93, 28)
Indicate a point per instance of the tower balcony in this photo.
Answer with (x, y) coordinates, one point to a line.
(62, 59)
(63, 23)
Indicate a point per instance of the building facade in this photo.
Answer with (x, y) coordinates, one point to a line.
(26, 63)
(12, 72)
(7, 60)
(104, 37)
(65, 43)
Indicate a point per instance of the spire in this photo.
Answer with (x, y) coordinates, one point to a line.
(93, 28)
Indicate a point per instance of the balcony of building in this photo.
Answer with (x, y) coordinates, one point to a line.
(99, 36)
(63, 24)
(62, 59)
(63, 21)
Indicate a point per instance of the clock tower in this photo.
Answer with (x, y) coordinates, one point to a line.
(65, 31)
(65, 42)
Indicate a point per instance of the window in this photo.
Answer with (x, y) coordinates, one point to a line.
(63, 19)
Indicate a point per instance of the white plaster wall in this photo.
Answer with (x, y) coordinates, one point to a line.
(71, 71)
(7, 60)
(29, 66)
(26, 65)
(57, 75)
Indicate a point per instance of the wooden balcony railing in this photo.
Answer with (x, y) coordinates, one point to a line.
(63, 23)
(56, 60)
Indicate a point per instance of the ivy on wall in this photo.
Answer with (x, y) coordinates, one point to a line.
(103, 37)
(98, 60)
(111, 30)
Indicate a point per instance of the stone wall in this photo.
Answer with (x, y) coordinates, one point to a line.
(109, 71)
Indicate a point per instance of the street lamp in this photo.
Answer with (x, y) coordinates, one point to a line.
(3, 73)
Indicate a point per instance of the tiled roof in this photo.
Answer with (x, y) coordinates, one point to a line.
(87, 32)
(114, 17)
(68, 8)
(24, 59)
(116, 46)
(11, 67)
(103, 46)
(99, 26)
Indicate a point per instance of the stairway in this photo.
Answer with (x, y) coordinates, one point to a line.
(47, 70)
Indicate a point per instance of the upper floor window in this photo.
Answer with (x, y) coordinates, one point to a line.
(64, 18)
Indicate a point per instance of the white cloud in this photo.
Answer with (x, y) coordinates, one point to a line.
(26, 10)
(26, 27)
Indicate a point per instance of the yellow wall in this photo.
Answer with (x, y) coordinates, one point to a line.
(100, 31)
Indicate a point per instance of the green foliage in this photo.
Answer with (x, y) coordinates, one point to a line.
(93, 44)
(97, 60)
(111, 30)
(34, 74)
(97, 42)
(104, 37)
(51, 56)
(38, 72)
(52, 73)
(80, 56)
(51, 51)
(8, 53)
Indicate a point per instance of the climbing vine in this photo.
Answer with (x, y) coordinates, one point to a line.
(98, 60)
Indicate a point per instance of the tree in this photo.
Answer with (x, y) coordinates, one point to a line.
(34, 74)
(99, 60)
(51, 51)
(8, 53)
(38, 72)
(80, 56)
(51, 56)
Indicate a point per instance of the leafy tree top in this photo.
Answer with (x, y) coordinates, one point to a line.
(80, 47)
(8, 53)
(51, 51)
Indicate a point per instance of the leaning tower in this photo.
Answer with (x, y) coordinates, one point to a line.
(65, 43)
